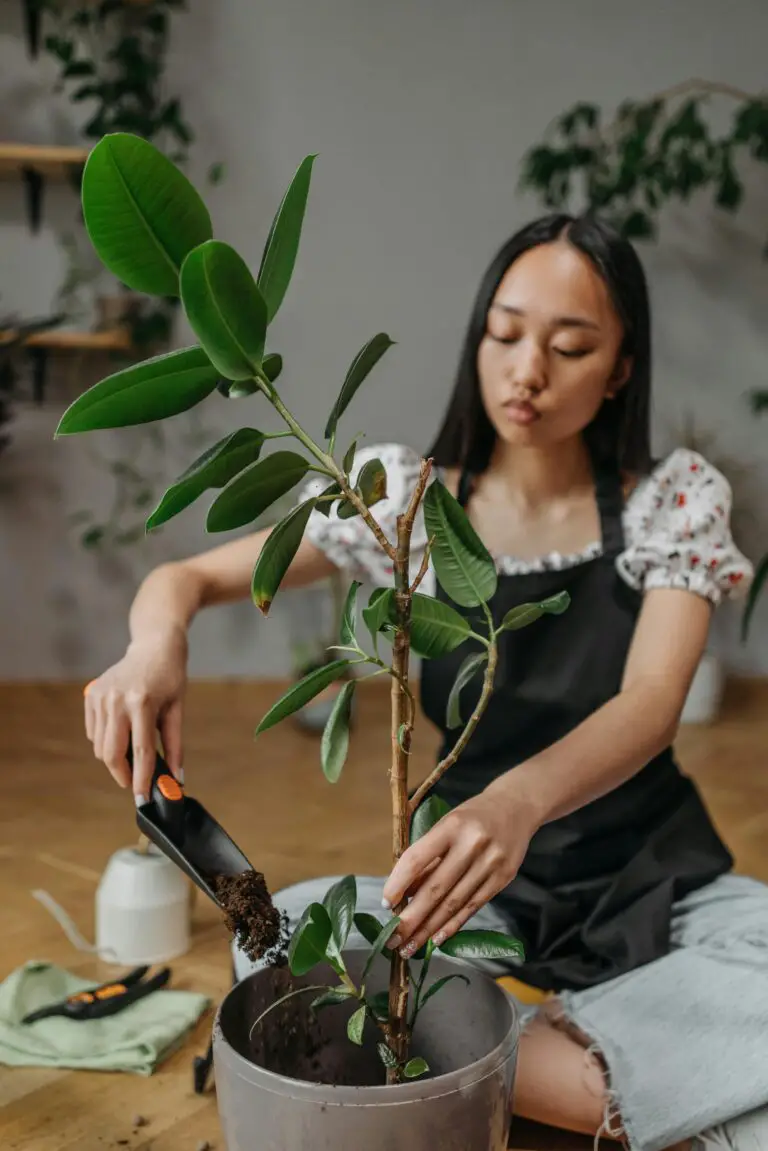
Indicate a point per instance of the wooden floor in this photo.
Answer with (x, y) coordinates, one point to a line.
(61, 817)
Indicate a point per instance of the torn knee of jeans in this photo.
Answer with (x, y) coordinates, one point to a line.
(597, 1078)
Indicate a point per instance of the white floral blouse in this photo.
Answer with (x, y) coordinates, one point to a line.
(676, 528)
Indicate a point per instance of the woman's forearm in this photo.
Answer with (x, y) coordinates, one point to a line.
(165, 604)
(604, 751)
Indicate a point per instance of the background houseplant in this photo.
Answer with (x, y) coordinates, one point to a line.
(653, 152)
(151, 228)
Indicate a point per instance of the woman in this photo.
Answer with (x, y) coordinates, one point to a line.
(571, 823)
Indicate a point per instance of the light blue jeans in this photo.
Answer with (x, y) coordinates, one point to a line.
(684, 1039)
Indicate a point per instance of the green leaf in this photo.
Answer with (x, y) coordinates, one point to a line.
(461, 561)
(281, 248)
(471, 664)
(381, 940)
(272, 366)
(142, 214)
(363, 363)
(761, 575)
(277, 555)
(153, 390)
(379, 610)
(340, 901)
(334, 744)
(255, 489)
(387, 1057)
(414, 1068)
(302, 692)
(482, 945)
(332, 997)
(378, 1005)
(368, 925)
(438, 985)
(310, 940)
(527, 613)
(349, 458)
(355, 1026)
(226, 310)
(349, 615)
(436, 627)
(427, 814)
(372, 482)
(213, 469)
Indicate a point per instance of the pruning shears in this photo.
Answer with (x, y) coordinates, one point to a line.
(107, 999)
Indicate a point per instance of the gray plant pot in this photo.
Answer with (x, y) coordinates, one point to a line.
(290, 1088)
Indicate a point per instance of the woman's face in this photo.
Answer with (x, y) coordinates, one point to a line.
(551, 353)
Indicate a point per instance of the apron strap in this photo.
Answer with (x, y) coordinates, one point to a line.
(610, 505)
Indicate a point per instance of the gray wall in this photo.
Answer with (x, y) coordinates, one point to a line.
(420, 111)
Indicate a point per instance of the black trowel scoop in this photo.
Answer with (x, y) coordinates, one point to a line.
(184, 831)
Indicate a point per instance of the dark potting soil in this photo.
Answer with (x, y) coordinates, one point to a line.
(252, 918)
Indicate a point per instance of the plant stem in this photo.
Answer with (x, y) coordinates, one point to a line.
(328, 463)
(449, 760)
(402, 728)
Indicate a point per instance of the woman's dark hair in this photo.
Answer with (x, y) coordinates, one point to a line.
(619, 435)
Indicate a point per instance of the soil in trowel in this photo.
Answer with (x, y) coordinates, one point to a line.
(252, 918)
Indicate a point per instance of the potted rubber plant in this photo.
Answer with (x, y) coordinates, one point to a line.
(335, 1046)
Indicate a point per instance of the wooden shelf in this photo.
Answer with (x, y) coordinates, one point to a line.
(46, 160)
(110, 340)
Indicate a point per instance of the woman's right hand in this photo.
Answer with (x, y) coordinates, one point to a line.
(134, 698)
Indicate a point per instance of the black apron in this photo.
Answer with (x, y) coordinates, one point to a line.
(593, 898)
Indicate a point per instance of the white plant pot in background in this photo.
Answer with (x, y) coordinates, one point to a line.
(706, 692)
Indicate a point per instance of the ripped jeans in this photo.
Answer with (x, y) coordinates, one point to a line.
(684, 1039)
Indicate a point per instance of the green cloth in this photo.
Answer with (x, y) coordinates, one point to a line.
(136, 1039)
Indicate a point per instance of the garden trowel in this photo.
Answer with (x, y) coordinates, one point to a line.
(184, 831)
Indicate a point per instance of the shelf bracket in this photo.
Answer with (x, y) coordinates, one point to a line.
(39, 358)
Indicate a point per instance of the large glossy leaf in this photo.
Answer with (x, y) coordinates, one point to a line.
(310, 940)
(436, 627)
(213, 469)
(324, 504)
(349, 614)
(461, 561)
(469, 667)
(527, 613)
(332, 998)
(225, 309)
(379, 611)
(427, 814)
(277, 554)
(482, 945)
(368, 925)
(340, 902)
(281, 248)
(372, 482)
(302, 692)
(379, 943)
(363, 363)
(153, 390)
(334, 744)
(761, 575)
(142, 214)
(255, 489)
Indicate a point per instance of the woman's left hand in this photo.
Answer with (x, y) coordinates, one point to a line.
(466, 859)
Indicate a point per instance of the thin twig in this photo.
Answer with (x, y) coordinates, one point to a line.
(424, 564)
(465, 736)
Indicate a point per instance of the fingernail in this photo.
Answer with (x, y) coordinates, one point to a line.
(438, 938)
(140, 800)
(407, 951)
(394, 942)
(386, 905)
